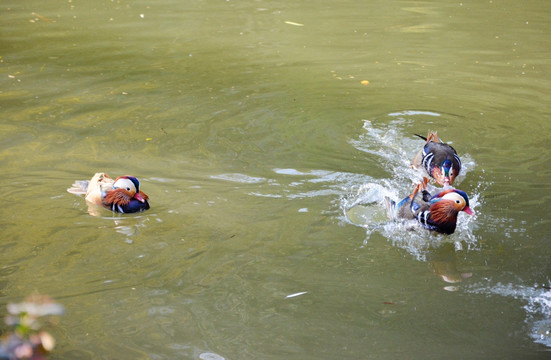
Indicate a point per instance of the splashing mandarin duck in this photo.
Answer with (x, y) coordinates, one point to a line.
(122, 195)
(436, 213)
(440, 160)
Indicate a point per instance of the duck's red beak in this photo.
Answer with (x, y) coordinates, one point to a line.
(468, 210)
(138, 196)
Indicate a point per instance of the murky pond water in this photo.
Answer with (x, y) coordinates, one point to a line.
(265, 158)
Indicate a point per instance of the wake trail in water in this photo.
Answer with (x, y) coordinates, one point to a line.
(360, 196)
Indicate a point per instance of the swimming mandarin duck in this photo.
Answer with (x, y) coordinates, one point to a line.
(440, 160)
(121, 195)
(436, 213)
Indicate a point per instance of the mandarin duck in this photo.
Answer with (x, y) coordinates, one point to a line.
(439, 160)
(121, 195)
(436, 213)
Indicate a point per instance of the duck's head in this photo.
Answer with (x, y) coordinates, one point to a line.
(130, 186)
(458, 198)
(447, 173)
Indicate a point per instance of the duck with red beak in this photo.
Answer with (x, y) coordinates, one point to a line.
(122, 195)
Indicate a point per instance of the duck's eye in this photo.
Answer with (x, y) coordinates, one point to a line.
(127, 189)
(457, 202)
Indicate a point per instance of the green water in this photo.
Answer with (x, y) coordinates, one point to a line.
(251, 132)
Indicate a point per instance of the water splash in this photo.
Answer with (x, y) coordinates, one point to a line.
(363, 205)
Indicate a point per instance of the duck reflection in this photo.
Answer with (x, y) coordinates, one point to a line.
(442, 260)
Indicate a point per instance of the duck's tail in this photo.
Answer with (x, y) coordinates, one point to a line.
(79, 187)
(432, 136)
(390, 206)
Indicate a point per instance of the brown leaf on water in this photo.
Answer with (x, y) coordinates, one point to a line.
(43, 18)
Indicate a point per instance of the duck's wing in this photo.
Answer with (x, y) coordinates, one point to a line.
(98, 186)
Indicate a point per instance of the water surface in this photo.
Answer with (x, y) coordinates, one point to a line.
(265, 158)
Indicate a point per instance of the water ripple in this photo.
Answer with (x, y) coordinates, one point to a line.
(239, 178)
